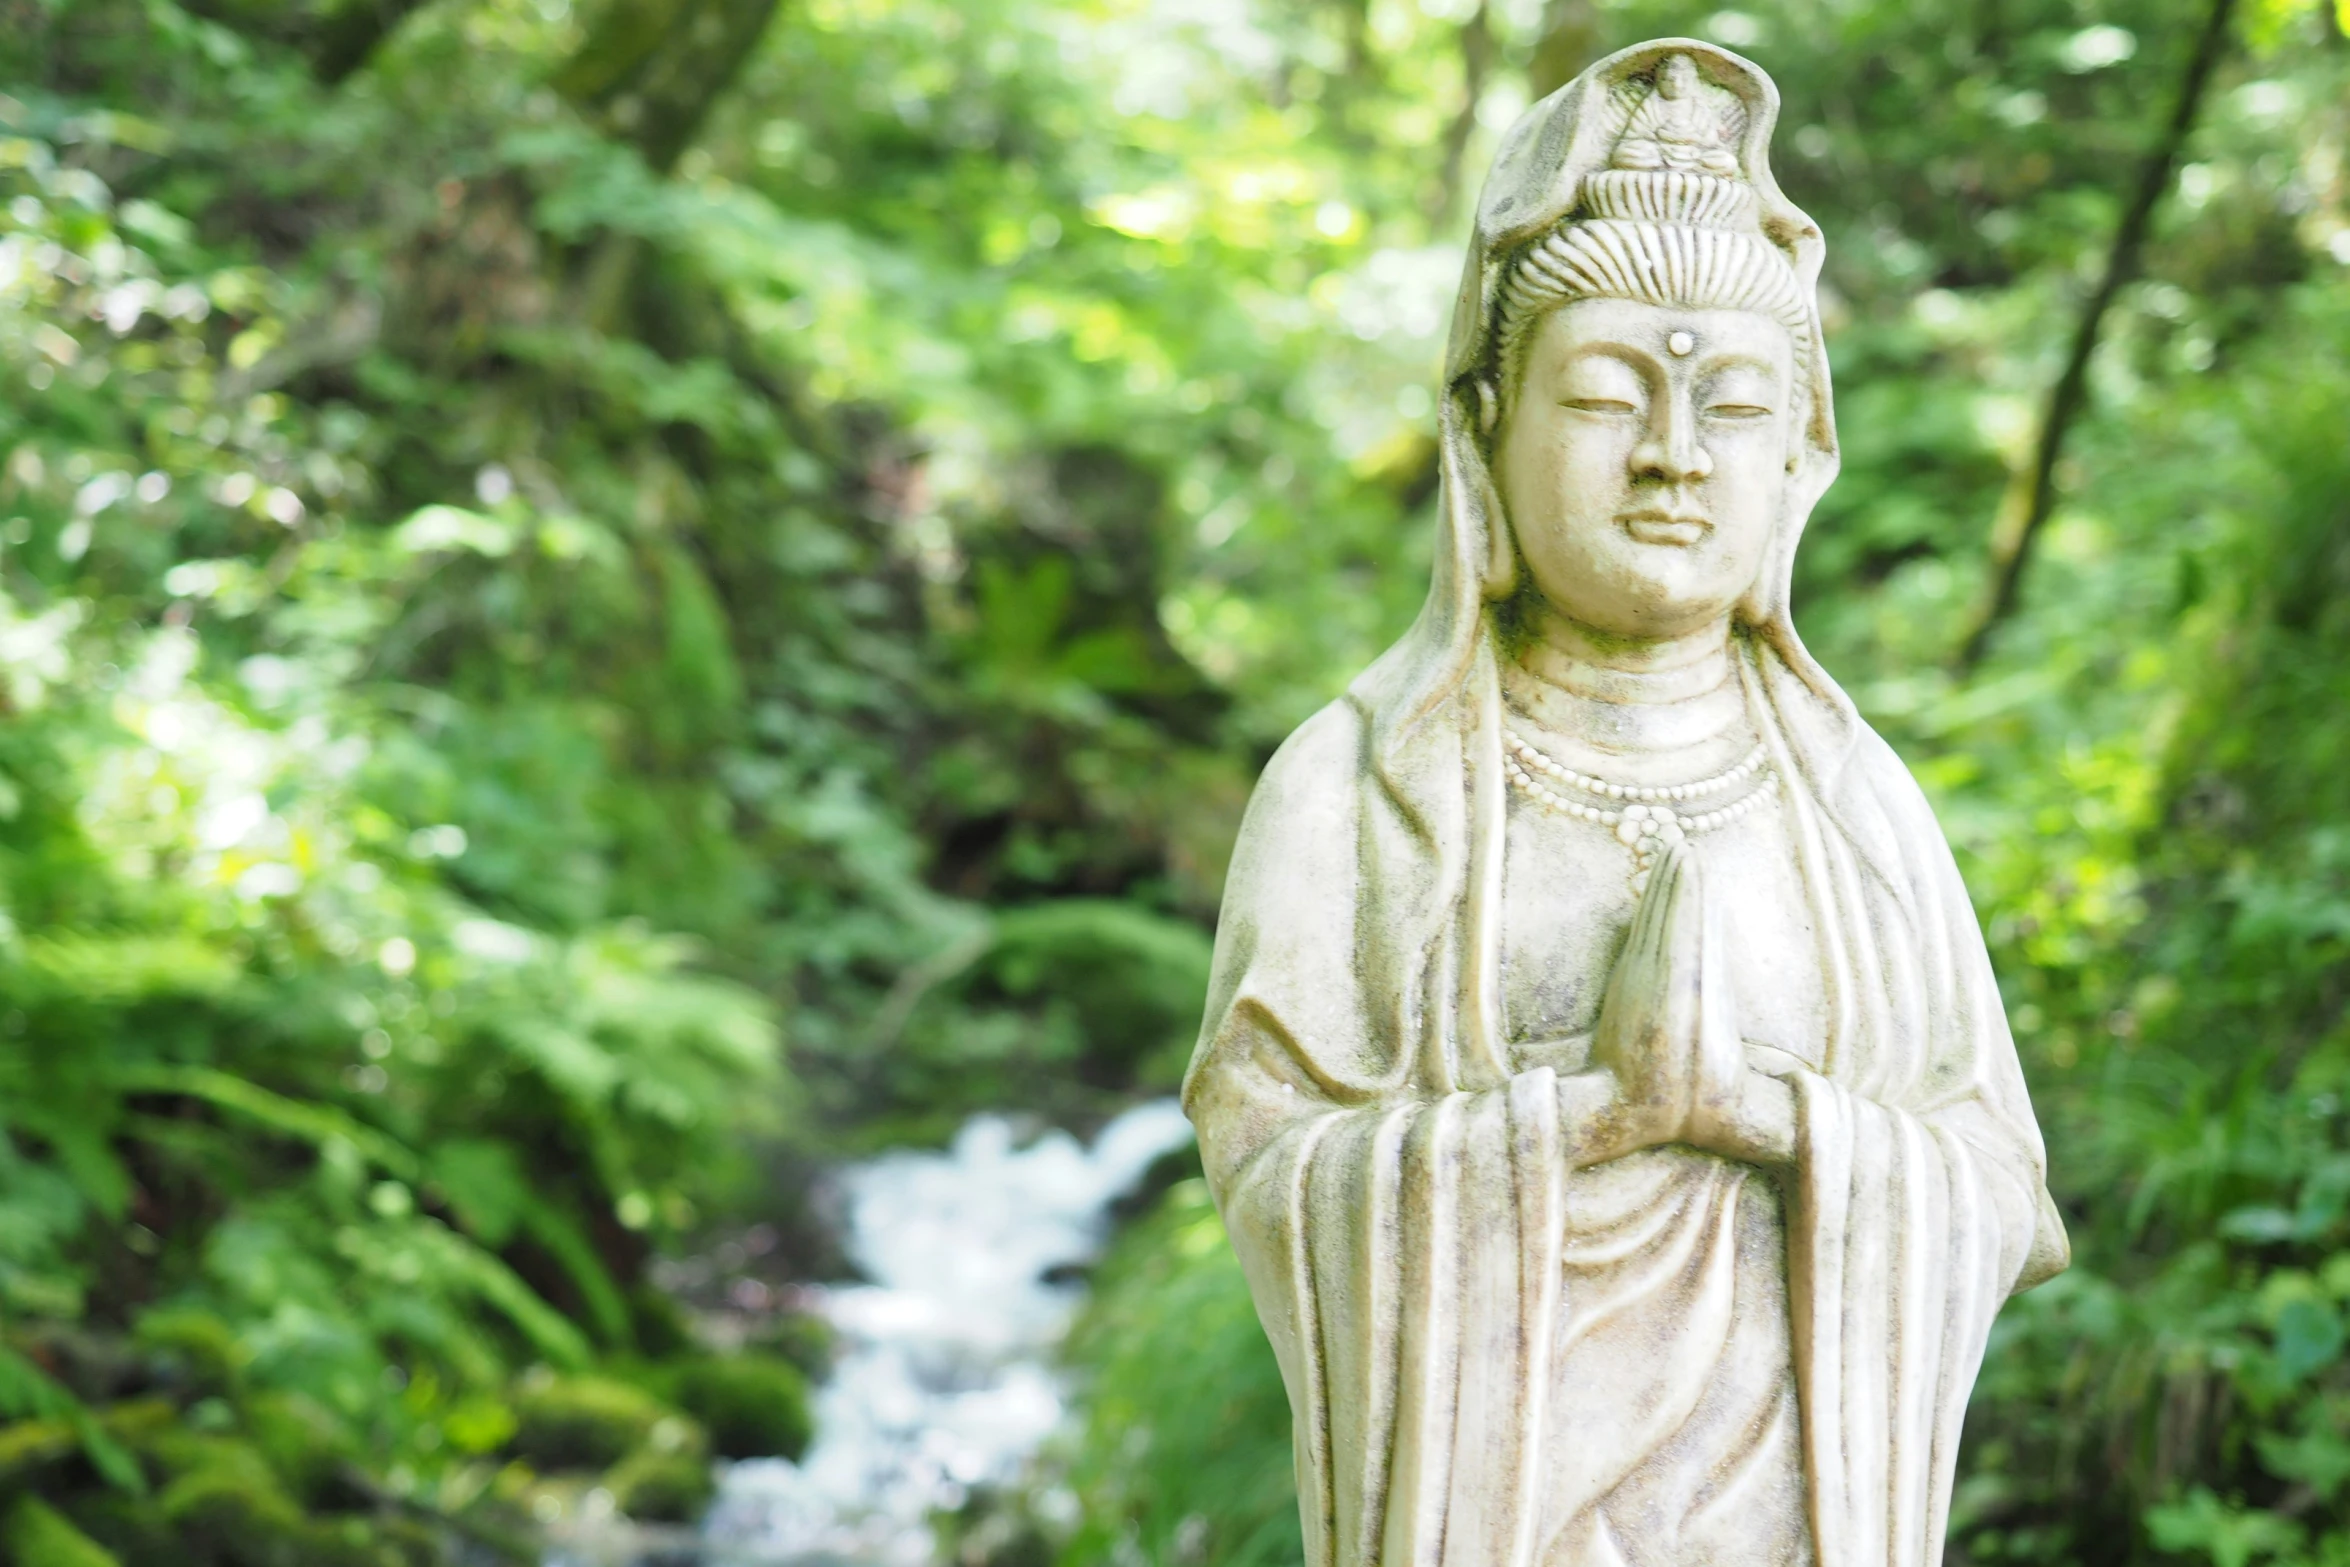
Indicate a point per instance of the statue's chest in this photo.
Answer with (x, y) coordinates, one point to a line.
(1567, 901)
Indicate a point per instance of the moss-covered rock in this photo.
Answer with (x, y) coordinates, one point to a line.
(572, 1423)
(408, 1542)
(654, 1487)
(754, 1406)
(34, 1534)
(234, 1515)
(659, 1323)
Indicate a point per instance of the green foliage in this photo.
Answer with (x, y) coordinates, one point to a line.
(38, 1535)
(590, 608)
(491, 629)
(2146, 786)
(1186, 1450)
(2206, 1052)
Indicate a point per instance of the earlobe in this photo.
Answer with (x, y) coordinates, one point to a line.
(1499, 576)
(1501, 556)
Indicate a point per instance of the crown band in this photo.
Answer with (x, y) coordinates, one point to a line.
(1670, 196)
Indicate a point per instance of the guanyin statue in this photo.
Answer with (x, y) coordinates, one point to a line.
(1603, 1082)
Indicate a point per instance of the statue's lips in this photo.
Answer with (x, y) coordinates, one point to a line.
(1657, 527)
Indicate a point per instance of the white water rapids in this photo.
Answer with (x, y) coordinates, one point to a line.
(944, 1381)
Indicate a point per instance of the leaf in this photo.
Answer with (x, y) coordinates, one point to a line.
(485, 1184)
(2309, 1337)
(27, 1390)
(2263, 1226)
(2318, 1457)
(560, 1235)
(38, 1535)
(549, 1331)
(322, 1126)
(2226, 1533)
(123, 970)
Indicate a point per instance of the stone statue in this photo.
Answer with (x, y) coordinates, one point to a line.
(1604, 1082)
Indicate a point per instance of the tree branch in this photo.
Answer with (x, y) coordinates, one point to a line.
(1570, 40)
(652, 69)
(1476, 40)
(2011, 550)
(336, 38)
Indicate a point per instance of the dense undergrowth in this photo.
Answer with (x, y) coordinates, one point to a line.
(599, 609)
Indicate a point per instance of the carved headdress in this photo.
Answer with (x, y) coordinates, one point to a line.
(1671, 220)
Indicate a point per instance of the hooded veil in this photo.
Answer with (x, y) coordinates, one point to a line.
(1397, 1189)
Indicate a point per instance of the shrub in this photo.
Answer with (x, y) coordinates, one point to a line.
(1185, 1449)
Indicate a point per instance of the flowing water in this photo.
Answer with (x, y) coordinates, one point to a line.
(944, 1382)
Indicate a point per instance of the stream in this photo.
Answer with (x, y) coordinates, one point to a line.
(944, 1382)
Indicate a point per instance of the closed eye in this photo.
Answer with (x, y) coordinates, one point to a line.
(1737, 411)
(1600, 405)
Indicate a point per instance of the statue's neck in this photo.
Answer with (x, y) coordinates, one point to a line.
(1664, 698)
(1611, 669)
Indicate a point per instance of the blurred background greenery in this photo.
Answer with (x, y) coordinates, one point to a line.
(605, 604)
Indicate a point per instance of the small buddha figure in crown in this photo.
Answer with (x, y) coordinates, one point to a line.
(1683, 122)
(1604, 1083)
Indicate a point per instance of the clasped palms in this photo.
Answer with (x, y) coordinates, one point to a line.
(1668, 1028)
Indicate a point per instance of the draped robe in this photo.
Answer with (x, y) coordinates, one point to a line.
(1397, 1190)
(1396, 1193)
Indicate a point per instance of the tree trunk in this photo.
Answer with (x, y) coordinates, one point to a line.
(1476, 70)
(2028, 508)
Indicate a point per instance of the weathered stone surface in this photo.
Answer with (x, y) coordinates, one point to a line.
(1603, 1080)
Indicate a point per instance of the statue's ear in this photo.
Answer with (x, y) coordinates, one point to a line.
(1477, 527)
(1500, 576)
(1501, 550)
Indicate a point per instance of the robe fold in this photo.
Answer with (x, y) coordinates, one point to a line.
(1400, 1199)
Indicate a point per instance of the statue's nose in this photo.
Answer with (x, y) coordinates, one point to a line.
(1671, 452)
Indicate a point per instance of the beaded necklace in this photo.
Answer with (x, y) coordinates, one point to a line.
(1645, 818)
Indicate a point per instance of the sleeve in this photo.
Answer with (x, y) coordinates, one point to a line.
(1400, 1241)
(1920, 1199)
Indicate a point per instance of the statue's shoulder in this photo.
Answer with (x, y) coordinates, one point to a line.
(1312, 772)
(1867, 788)
(1848, 760)
(1885, 811)
(1297, 839)
(1333, 737)
(1879, 769)
(1875, 760)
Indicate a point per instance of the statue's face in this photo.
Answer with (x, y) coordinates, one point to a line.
(1644, 483)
